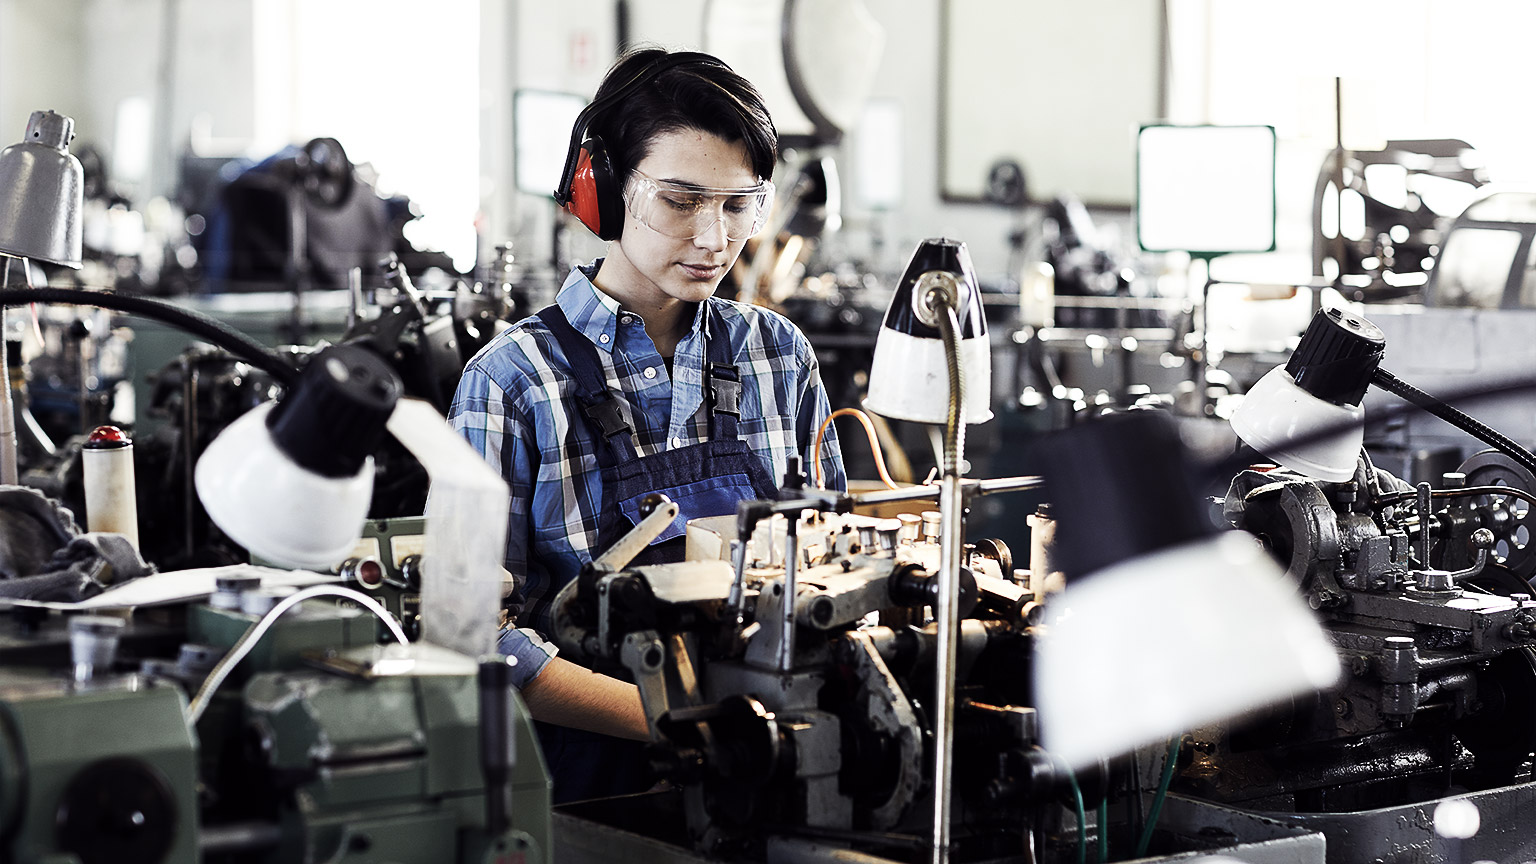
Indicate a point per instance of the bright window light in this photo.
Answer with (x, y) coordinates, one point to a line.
(1206, 188)
(397, 82)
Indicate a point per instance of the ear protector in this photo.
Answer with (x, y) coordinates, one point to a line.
(589, 188)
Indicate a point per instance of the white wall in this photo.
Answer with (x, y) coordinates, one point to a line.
(40, 63)
(544, 34)
(86, 57)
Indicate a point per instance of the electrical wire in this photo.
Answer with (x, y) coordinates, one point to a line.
(1157, 800)
(869, 432)
(221, 670)
(1082, 819)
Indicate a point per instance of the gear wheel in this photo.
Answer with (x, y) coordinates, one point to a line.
(1511, 520)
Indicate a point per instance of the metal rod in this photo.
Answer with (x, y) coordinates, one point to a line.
(787, 609)
(9, 475)
(1424, 517)
(733, 604)
(932, 492)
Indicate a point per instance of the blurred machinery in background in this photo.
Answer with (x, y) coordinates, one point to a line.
(1380, 216)
(1472, 331)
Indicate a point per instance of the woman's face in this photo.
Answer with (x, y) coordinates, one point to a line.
(650, 267)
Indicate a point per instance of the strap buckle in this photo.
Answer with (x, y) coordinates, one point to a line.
(608, 416)
(725, 389)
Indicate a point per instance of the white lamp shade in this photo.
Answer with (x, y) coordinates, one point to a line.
(1277, 414)
(274, 508)
(1202, 632)
(909, 378)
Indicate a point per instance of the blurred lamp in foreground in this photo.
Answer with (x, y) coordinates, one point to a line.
(291, 480)
(1166, 624)
(908, 379)
(1286, 414)
(41, 190)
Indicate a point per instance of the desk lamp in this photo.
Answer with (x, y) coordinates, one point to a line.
(1166, 623)
(292, 481)
(1286, 414)
(1306, 415)
(932, 364)
(41, 193)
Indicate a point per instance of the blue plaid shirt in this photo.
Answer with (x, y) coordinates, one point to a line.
(516, 405)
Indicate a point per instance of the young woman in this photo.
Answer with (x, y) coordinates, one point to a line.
(638, 379)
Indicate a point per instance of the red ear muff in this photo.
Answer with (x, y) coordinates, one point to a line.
(595, 196)
(588, 187)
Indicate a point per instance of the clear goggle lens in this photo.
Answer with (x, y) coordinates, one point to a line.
(684, 212)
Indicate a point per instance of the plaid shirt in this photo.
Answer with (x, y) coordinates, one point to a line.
(515, 405)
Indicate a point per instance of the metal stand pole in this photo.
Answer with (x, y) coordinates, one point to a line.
(940, 303)
(9, 473)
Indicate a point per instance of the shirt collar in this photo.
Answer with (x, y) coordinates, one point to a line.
(594, 314)
(591, 312)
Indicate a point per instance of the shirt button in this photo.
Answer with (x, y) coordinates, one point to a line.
(677, 442)
(603, 338)
(650, 371)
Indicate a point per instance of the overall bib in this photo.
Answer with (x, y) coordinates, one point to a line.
(704, 479)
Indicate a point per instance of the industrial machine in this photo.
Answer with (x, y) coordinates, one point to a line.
(258, 724)
(787, 669)
(1424, 591)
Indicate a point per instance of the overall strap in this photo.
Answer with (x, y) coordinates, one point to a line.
(722, 381)
(602, 406)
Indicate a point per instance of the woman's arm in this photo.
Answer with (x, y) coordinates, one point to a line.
(570, 695)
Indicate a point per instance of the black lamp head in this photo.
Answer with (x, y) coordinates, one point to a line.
(944, 256)
(1337, 356)
(334, 417)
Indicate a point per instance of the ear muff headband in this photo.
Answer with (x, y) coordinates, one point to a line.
(588, 188)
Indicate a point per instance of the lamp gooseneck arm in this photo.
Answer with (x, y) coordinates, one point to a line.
(941, 301)
(1454, 416)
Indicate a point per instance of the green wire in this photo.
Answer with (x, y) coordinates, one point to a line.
(1104, 830)
(1162, 793)
(1082, 819)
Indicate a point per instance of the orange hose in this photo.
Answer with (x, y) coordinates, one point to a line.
(874, 445)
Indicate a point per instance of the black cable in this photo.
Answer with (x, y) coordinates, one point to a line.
(195, 323)
(1454, 416)
(1392, 498)
(1220, 470)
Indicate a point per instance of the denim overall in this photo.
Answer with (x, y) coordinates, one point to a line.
(704, 479)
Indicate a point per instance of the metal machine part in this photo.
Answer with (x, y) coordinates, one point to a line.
(819, 747)
(299, 756)
(1424, 592)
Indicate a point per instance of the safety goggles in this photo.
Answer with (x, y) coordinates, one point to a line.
(685, 211)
